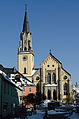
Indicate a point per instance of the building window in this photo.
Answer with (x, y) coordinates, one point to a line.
(52, 65)
(65, 77)
(65, 89)
(25, 49)
(65, 86)
(5, 107)
(49, 78)
(24, 70)
(30, 89)
(13, 77)
(54, 78)
(65, 93)
(29, 45)
(21, 98)
(23, 89)
(37, 78)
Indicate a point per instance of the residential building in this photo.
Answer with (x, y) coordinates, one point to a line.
(20, 81)
(10, 96)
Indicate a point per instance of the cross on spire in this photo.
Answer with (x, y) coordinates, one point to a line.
(50, 51)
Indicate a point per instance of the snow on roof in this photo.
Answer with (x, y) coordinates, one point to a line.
(33, 72)
(7, 78)
(54, 85)
(29, 83)
(17, 84)
(26, 82)
(23, 80)
(4, 75)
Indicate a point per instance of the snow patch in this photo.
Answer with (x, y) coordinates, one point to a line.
(54, 85)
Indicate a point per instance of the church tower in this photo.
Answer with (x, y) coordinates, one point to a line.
(25, 51)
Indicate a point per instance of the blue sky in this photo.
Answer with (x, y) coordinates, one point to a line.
(54, 25)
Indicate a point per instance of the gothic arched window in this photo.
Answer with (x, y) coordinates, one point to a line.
(29, 45)
(65, 86)
(54, 77)
(49, 78)
(65, 89)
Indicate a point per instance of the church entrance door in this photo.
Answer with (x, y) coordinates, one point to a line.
(55, 95)
(49, 94)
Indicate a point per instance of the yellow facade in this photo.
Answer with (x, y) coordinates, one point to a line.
(25, 51)
(52, 65)
(28, 63)
(50, 78)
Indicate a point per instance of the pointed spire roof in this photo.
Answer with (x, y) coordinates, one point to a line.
(26, 24)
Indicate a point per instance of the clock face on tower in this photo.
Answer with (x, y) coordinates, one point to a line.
(24, 58)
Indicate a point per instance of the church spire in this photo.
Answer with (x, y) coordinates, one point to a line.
(26, 24)
(25, 36)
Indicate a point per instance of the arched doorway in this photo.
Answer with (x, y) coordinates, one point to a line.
(49, 94)
(55, 95)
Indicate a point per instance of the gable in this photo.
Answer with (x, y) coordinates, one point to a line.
(50, 58)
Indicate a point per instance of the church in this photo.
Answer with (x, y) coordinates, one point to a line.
(51, 79)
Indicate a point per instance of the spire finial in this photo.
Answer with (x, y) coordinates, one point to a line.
(50, 51)
(25, 5)
(26, 24)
